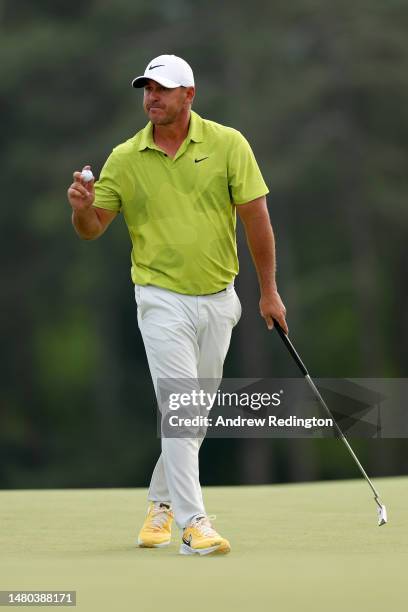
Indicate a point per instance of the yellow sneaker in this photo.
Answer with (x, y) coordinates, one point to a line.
(156, 530)
(201, 538)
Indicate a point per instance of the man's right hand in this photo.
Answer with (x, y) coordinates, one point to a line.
(81, 195)
(89, 222)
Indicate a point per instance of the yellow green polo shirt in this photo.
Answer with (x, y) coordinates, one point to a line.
(180, 212)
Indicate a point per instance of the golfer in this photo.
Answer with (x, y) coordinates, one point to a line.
(179, 182)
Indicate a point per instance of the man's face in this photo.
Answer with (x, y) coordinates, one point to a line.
(162, 105)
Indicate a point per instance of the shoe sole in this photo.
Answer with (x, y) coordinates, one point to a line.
(219, 549)
(142, 544)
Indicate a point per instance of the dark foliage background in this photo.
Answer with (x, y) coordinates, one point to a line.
(320, 89)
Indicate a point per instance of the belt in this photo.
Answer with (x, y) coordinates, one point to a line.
(215, 292)
(200, 295)
(220, 291)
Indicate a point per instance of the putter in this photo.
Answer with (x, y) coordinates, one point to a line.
(381, 509)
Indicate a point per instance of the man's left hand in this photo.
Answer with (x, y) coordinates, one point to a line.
(272, 307)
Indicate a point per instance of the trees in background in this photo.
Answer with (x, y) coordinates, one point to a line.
(320, 91)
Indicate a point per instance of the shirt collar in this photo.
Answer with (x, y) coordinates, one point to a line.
(195, 133)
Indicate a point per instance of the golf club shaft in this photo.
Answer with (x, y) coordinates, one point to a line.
(317, 394)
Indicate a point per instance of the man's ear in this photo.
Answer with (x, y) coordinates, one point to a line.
(190, 94)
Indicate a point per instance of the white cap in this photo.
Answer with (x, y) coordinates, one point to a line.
(168, 70)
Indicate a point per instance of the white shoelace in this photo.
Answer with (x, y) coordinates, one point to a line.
(204, 526)
(160, 516)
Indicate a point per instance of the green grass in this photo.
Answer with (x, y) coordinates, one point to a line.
(312, 546)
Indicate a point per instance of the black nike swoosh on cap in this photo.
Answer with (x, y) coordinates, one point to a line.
(201, 159)
(157, 66)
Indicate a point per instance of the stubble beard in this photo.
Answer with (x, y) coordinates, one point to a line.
(166, 119)
(161, 121)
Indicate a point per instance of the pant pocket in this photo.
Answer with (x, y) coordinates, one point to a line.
(238, 308)
(140, 301)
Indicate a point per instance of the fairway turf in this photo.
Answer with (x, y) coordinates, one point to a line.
(313, 546)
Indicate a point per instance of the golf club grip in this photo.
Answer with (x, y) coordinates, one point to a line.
(290, 348)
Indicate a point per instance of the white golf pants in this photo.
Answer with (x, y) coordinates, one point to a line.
(184, 337)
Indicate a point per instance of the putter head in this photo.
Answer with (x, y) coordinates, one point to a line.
(382, 515)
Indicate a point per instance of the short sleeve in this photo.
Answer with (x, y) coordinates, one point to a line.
(244, 176)
(107, 188)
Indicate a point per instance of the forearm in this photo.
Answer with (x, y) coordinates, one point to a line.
(261, 243)
(87, 223)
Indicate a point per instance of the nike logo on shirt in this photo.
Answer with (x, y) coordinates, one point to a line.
(201, 159)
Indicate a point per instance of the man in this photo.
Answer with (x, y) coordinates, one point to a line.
(179, 182)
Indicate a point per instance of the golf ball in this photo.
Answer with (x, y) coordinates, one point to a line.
(87, 175)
